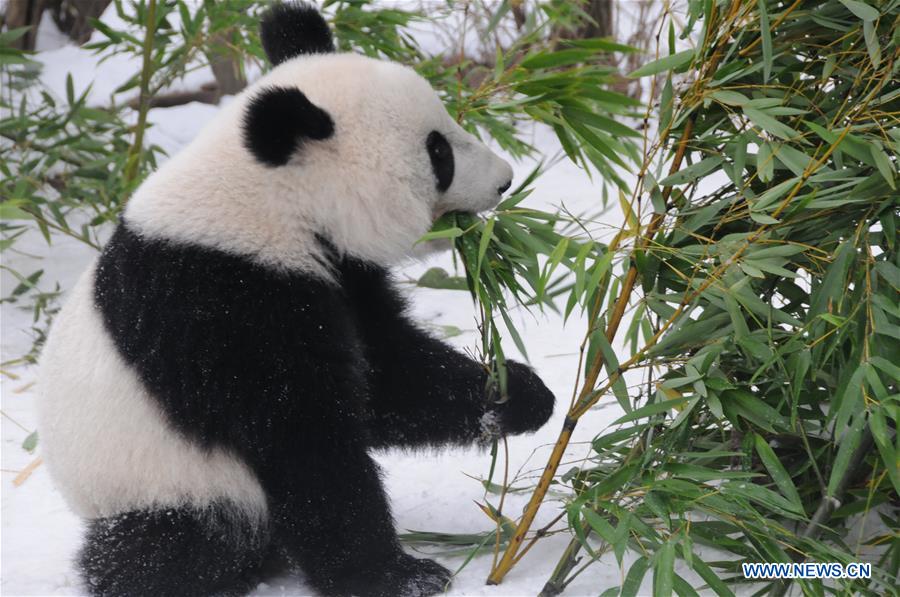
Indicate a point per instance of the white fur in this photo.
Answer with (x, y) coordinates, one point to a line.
(106, 442)
(370, 186)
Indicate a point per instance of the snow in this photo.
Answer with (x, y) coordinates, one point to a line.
(429, 491)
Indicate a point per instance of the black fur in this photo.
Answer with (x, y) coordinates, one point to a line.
(300, 378)
(423, 392)
(177, 551)
(279, 120)
(442, 163)
(294, 28)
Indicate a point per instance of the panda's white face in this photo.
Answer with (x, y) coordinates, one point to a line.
(358, 150)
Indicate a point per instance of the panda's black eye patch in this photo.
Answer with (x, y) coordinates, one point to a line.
(441, 154)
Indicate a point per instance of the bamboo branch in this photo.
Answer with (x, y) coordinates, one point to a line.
(567, 562)
(134, 154)
(588, 397)
(571, 420)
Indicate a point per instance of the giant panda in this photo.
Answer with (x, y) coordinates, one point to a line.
(215, 383)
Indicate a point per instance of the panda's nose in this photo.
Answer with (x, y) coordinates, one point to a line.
(503, 188)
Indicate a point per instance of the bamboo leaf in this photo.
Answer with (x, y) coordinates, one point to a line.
(847, 445)
(651, 410)
(673, 62)
(692, 172)
(777, 471)
(872, 45)
(886, 168)
(861, 9)
(769, 124)
(766, 36)
(730, 98)
(664, 570)
(635, 576)
(30, 442)
(453, 232)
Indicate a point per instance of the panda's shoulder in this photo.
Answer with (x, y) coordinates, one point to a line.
(180, 280)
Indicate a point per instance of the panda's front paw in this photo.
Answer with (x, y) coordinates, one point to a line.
(530, 403)
(411, 577)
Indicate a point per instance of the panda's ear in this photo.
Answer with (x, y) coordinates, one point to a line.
(294, 28)
(279, 121)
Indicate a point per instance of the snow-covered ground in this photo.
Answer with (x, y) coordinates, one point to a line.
(429, 491)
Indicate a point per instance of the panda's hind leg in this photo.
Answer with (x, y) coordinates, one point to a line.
(177, 551)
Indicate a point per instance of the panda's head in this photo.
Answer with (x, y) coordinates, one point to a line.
(359, 151)
(364, 146)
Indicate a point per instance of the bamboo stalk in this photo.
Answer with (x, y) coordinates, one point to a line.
(557, 583)
(134, 153)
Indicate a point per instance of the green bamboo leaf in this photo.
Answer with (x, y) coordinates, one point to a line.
(692, 172)
(795, 160)
(673, 62)
(761, 218)
(7, 37)
(872, 45)
(30, 442)
(739, 159)
(774, 250)
(602, 43)
(766, 36)
(766, 497)
(598, 141)
(747, 406)
(452, 232)
(886, 168)
(886, 448)
(664, 570)
(635, 576)
(833, 283)
(486, 236)
(600, 525)
(769, 124)
(701, 473)
(773, 195)
(70, 90)
(598, 342)
(885, 365)
(847, 445)
(437, 277)
(651, 410)
(730, 98)
(777, 471)
(890, 273)
(712, 579)
(9, 210)
(861, 9)
(554, 59)
(514, 333)
(666, 104)
(600, 122)
(765, 164)
(849, 143)
(683, 587)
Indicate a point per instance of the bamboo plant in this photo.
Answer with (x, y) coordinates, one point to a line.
(757, 272)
